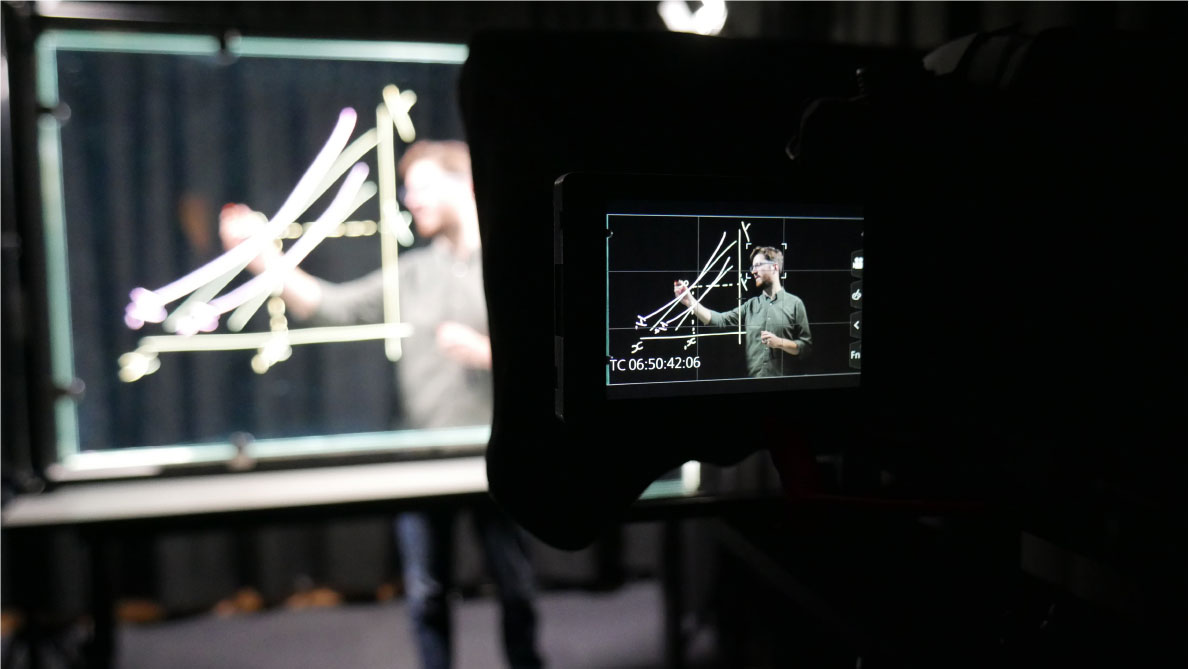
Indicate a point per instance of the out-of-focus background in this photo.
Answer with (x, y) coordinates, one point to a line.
(128, 125)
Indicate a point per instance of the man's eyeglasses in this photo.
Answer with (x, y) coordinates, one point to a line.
(761, 265)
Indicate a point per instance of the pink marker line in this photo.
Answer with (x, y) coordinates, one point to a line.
(149, 305)
(204, 317)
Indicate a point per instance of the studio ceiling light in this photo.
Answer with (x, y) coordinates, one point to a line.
(708, 19)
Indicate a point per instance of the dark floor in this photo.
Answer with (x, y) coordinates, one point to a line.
(619, 629)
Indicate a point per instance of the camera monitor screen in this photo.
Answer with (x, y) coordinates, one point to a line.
(706, 303)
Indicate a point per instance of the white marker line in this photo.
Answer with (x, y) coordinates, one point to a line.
(686, 313)
(238, 320)
(399, 104)
(152, 303)
(253, 340)
(206, 317)
(726, 268)
(200, 296)
(666, 304)
(394, 230)
(713, 260)
(739, 289)
(350, 155)
(344, 203)
(678, 298)
(688, 336)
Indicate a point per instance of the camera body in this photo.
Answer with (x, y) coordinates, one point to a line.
(1015, 209)
(629, 351)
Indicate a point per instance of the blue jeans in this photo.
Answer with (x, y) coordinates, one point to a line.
(424, 539)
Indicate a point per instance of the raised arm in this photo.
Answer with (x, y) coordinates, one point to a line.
(301, 291)
(687, 299)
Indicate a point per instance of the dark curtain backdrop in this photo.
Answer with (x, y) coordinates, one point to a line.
(154, 146)
(188, 571)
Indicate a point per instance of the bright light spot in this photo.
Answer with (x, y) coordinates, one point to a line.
(399, 103)
(709, 19)
(259, 364)
(135, 365)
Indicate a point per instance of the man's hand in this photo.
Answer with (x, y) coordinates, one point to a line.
(772, 341)
(302, 293)
(237, 222)
(682, 291)
(681, 288)
(465, 345)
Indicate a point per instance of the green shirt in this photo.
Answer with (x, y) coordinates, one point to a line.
(783, 316)
(435, 287)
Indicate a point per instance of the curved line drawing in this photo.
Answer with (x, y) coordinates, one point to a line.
(198, 312)
(239, 318)
(205, 317)
(723, 272)
(399, 103)
(149, 305)
(678, 298)
(350, 155)
(713, 260)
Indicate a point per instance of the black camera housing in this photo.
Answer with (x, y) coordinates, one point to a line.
(1018, 211)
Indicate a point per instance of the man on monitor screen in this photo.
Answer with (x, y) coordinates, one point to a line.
(777, 327)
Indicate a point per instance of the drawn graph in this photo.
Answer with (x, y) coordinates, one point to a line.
(652, 337)
(203, 307)
(661, 257)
